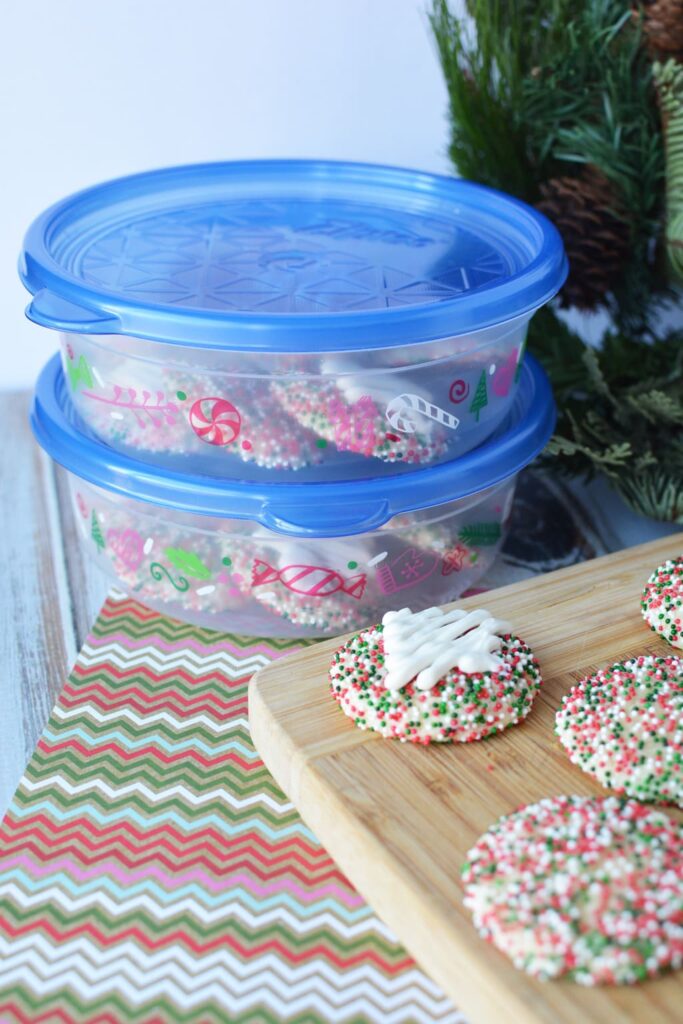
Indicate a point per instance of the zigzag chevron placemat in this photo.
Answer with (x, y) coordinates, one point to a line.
(151, 870)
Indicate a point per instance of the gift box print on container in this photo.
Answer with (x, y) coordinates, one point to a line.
(275, 319)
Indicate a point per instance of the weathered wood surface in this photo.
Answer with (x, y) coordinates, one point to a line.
(400, 819)
(49, 598)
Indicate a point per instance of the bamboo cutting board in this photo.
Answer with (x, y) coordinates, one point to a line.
(399, 819)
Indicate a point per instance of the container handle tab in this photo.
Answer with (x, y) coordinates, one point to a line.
(50, 310)
(321, 520)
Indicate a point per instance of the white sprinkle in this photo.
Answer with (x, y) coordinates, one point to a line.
(377, 559)
(206, 590)
(149, 544)
(116, 415)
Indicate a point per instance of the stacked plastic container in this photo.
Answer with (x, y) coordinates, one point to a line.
(292, 394)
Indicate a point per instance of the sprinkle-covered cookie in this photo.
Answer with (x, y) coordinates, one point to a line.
(591, 888)
(316, 615)
(662, 601)
(432, 677)
(358, 426)
(275, 442)
(624, 725)
(219, 420)
(313, 585)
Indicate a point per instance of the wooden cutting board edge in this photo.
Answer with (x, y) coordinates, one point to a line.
(390, 885)
(398, 905)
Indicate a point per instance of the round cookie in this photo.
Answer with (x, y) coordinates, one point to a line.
(358, 426)
(313, 585)
(590, 888)
(624, 725)
(205, 572)
(182, 414)
(662, 601)
(461, 706)
(268, 438)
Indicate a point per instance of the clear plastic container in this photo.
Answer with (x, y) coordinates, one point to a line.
(292, 559)
(231, 574)
(291, 319)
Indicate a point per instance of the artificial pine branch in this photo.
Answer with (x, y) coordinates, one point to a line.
(620, 411)
(669, 79)
(539, 90)
(487, 55)
(594, 106)
(540, 95)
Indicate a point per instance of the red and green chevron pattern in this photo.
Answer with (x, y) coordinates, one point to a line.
(152, 871)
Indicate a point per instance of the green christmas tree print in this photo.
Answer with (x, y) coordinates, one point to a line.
(481, 397)
(480, 534)
(79, 373)
(96, 532)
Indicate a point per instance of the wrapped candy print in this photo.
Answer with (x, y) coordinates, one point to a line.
(233, 574)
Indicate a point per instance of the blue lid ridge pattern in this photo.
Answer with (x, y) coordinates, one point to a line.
(289, 256)
(293, 263)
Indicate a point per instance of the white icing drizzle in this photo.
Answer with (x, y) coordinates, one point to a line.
(424, 646)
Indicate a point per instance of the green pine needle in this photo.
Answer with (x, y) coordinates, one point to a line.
(538, 91)
(620, 412)
(480, 534)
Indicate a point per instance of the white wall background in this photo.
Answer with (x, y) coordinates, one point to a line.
(92, 89)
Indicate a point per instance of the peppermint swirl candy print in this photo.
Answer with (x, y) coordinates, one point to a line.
(215, 420)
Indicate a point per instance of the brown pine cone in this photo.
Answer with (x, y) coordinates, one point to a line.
(596, 239)
(662, 22)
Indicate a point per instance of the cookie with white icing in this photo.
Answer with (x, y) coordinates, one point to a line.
(662, 601)
(435, 677)
(589, 888)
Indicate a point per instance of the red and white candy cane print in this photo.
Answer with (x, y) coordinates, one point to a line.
(215, 420)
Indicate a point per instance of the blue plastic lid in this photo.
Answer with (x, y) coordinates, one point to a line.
(300, 509)
(288, 256)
